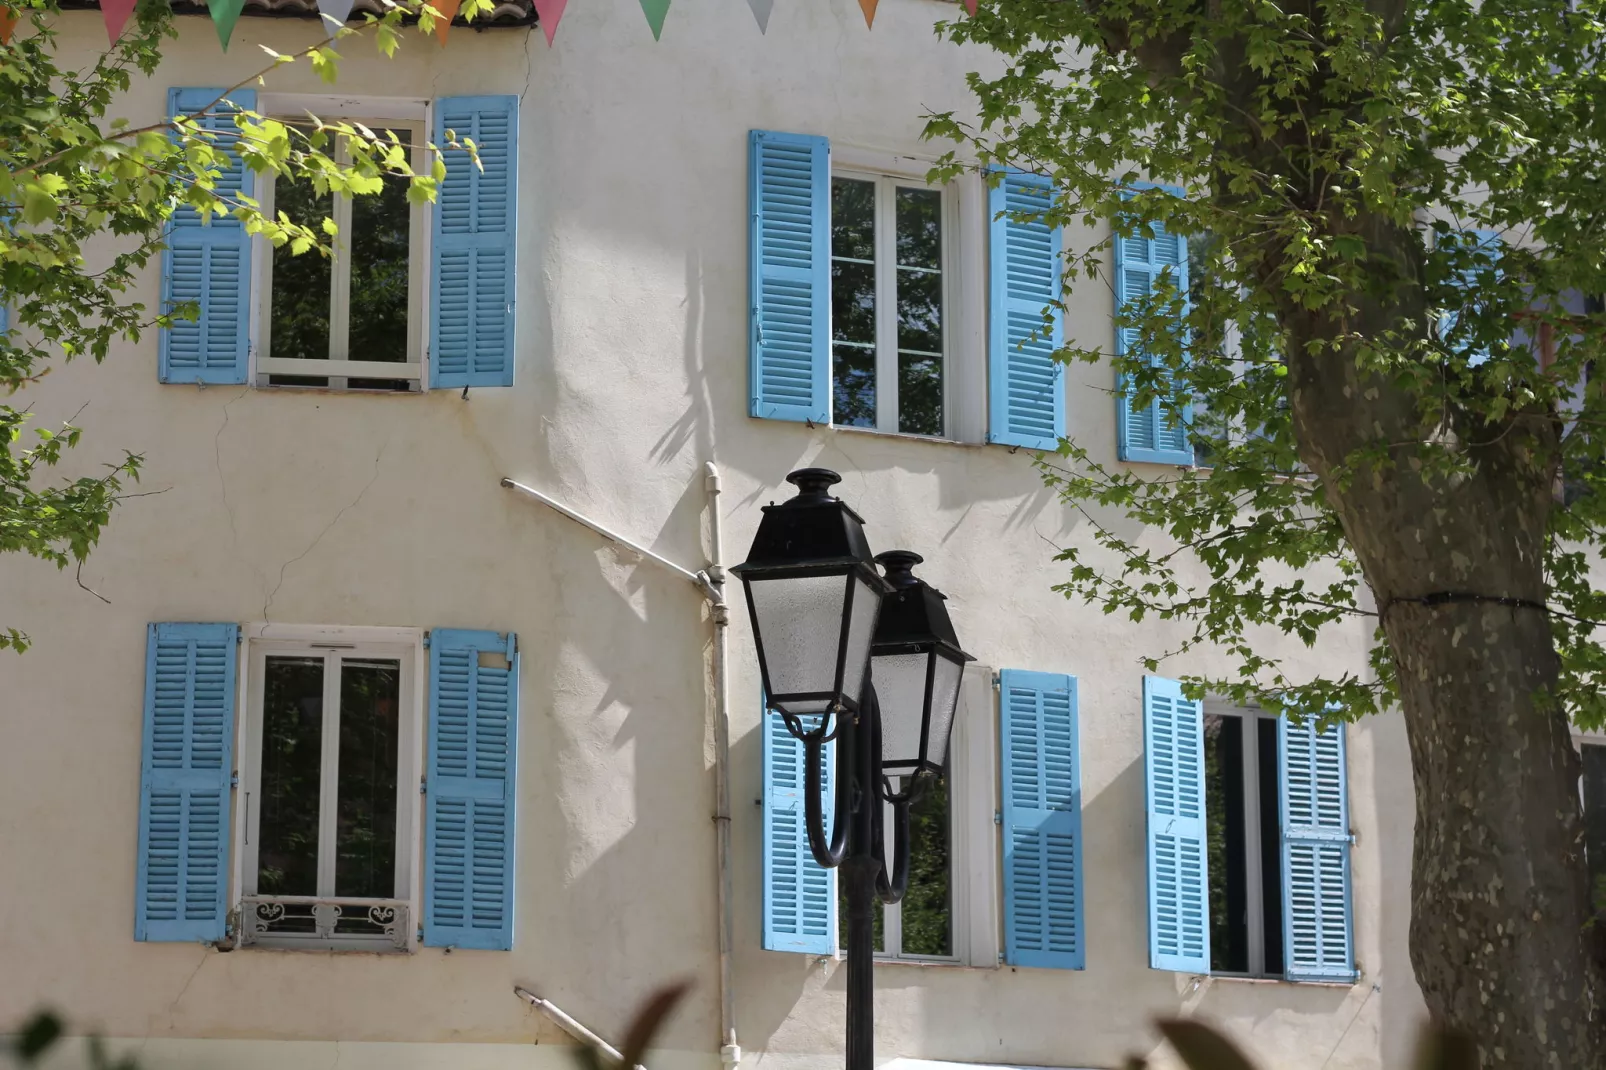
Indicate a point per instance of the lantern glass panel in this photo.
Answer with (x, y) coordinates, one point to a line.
(799, 624)
(866, 611)
(900, 685)
(944, 701)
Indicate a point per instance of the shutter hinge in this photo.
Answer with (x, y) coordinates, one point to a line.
(998, 817)
(239, 637)
(234, 779)
(423, 785)
(426, 640)
(998, 681)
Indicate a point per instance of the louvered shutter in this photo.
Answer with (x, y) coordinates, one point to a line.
(799, 894)
(469, 857)
(1490, 242)
(1148, 432)
(182, 884)
(1025, 384)
(471, 321)
(1042, 820)
(1318, 940)
(208, 263)
(1179, 882)
(789, 341)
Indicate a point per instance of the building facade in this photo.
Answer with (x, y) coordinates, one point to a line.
(365, 738)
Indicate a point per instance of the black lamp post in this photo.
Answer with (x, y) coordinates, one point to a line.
(821, 617)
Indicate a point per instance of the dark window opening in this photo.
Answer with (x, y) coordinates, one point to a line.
(1244, 844)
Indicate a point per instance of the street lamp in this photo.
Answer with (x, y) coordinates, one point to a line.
(821, 617)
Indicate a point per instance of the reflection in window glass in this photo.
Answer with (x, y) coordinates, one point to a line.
(365, 831)
(381, 243)
(853, 302)
(927, 907)
(302, 285)
(1595, 825)
(919, 282)
(292, 757)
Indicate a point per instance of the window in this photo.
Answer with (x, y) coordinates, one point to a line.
(921, 924)
(330, 790)
(354, 319)
(1244, 837)
(888, 339)
(1594, 800)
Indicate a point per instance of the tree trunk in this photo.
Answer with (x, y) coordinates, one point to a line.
(1500, 936)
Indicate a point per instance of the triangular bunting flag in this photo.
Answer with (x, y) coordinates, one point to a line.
(761, 12)
(549, 13)
(970, 6)
(868, 7)
(655, 11)
(8, 24)
(448, 10)
(334, 12)
(116, 13)
(225, 13)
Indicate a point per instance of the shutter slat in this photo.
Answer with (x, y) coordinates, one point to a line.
(209, 263)
(181, 887)
(799, 894)
(789, 343)
(1042, 818)
(1179, 881)
(469, 861)
(1314, 811)
(474, 251)
(1026, 406)
(1148, 433)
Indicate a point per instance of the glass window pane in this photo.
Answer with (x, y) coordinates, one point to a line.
(1595, 825)
(292, 758)
(920, 342)
(853, 386)
(928, 904)
(1224, 821)
(381, 234)
(853, 218)
(919, 228)
(1271, 846)
(299, 303)
(365, 831)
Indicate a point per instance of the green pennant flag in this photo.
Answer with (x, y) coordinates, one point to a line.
(225, 13)
(656, 10)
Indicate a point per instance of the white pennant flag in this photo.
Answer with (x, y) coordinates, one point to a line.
(761, 12)
(338, 10)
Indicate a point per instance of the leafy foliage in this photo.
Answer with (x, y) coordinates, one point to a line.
(1340, 165)
(84, 199)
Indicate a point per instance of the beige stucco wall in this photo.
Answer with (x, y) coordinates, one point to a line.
(321, 508)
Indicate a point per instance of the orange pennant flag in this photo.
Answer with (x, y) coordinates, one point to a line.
(448, 10)
(868, 7)
(8, 24)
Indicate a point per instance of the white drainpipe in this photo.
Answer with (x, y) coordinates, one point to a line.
(711, 582)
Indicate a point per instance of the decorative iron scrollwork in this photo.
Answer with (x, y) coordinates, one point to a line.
(314, 921)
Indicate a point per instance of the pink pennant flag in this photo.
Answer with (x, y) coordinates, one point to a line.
(448, 10)
(868, 7)
(549, 13)
(970, 6)
(116, 13)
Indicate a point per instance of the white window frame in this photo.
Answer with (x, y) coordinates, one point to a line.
(405, 645)
(974, 881)
(1254, 894)
(964, 293)
(395, 113)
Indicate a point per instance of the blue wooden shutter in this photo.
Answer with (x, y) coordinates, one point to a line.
(1489, 242)
(1042, 820)
(1025, 384)
(469, 857)
(1318, 943)
(471, 320)
(799, 894)
(1179, 881)
(182, 884)
(1148, 432)
(789, 342)
(209, 263)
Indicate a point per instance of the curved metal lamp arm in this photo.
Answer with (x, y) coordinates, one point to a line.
(892, 891)
(829, 855)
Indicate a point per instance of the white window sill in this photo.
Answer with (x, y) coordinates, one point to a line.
(1244, 979)
(904, 436)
